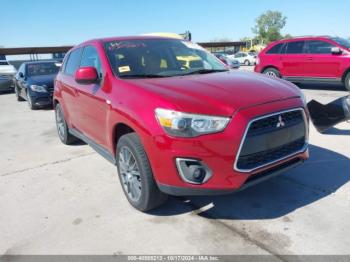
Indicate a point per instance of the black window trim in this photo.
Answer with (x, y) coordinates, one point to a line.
(64, 62)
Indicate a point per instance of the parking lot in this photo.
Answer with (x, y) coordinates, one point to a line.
(57, 199)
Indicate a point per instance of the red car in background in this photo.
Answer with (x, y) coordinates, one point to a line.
(322, 59)
(177, 130)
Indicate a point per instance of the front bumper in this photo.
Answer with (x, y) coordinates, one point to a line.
(258, 68)
(219, 152)
(254, 180)
(41, 99)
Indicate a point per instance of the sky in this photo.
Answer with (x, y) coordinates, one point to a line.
(69, 22)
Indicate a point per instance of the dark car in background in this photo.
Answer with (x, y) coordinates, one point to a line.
(34, 82)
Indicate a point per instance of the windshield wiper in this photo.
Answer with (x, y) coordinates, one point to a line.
(143, 76)
(206, 71)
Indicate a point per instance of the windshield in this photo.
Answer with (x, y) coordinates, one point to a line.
(160, 58)
(42, 69)
(342, 41)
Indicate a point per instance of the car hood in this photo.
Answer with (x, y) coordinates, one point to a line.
(218, 93)
(42, 80)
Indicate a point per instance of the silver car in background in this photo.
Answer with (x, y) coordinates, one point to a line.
(7, 73)
(231, 63)
(245, 58)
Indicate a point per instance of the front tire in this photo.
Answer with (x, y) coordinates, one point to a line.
(272, 72)
(136, 175)
(347, 82)
(30, 102)
(62, 128)
(18, 96)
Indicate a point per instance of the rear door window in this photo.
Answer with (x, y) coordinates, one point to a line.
(296, 47)
(73, 62)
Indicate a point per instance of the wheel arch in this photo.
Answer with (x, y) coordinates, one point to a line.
(121, 129)
(346, 72)
(270, 66)
(55, 102)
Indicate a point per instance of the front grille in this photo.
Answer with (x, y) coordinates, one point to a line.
(261, 158)
(50, 89)
(272, 138)
(269, 123)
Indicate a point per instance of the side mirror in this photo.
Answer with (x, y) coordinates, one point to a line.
(20, 75)
(336, 51)
(86, 75)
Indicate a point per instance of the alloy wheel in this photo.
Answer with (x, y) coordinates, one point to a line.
(29, 100)
(130, 174)
(16, 92)
(60, 123)
(271, 74)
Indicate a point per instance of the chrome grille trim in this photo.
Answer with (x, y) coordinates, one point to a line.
(277, 160)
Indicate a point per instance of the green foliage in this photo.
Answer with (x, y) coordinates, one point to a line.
(288, 36)
(269, 25)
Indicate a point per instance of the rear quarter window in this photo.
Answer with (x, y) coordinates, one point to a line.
(276, 49)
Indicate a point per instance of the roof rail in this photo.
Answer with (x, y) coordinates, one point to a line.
(304, 36)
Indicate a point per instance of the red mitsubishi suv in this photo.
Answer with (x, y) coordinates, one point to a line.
(322, 59)
(173, 128)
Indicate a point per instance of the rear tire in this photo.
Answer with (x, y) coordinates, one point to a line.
(347, 81)
(62, 128)
(246, 63)
(272, 72)
(136, 175)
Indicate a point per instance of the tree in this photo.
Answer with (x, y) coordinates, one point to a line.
(269, 25)
(288, 36)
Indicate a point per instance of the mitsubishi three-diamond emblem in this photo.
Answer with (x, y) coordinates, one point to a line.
(280, 122)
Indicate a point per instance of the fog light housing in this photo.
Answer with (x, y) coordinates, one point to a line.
(193, 171)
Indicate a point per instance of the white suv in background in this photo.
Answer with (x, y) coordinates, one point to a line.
(7, 74)
(6, 69)
(244, 58)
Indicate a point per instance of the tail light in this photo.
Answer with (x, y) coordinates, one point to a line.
(257, 60)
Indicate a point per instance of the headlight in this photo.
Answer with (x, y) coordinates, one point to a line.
(189, 125)
(40, 89)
